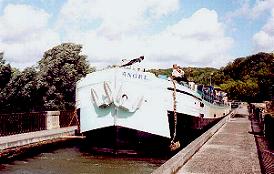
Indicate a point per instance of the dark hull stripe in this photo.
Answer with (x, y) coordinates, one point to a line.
(126, 141)
(189, 127)
(184, 92)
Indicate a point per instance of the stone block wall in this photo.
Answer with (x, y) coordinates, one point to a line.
(52, 120)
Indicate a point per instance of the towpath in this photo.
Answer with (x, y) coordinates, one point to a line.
(231, 150)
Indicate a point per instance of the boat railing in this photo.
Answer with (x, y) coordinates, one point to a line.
(211, 98)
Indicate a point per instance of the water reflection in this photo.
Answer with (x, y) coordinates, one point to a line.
(71, 160)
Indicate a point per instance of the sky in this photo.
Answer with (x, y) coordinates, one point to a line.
(187, 32)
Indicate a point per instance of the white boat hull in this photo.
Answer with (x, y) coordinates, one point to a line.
(139, 101)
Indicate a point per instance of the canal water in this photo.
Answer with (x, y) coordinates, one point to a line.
(72, 160)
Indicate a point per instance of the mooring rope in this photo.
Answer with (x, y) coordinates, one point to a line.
(174, 145)
(174, 112)
(74, 115)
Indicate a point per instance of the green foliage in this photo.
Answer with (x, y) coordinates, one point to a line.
(5, 72)
(157, 72)
(252, 66)
(50, 86)
(252, 78)
(239, 90)
(20, 92)
(59, 70)
(198, 75)
(248, 79)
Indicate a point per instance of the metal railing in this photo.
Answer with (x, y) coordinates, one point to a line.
(269, 129)
(212, 98)
(16, 123)
(68, 118)
(262, 128)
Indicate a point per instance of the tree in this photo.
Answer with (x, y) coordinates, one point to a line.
(219, 78)
(166, 72)
(248, 78)
(254, 74)
(20, 93)
(5, 72)
(239, 90)
(59, 70)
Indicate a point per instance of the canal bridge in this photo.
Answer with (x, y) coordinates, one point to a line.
(234, 145)
(21, 131)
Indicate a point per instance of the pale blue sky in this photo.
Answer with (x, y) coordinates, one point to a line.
(187, 32)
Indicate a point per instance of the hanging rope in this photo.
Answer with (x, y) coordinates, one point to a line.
(174, 145)
(174, 112)
(74, 115)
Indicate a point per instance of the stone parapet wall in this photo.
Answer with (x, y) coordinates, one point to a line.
(52, 120)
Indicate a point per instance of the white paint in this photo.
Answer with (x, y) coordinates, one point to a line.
(141, 101)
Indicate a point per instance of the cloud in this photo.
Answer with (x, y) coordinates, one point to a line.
(112, 30)
(242, 11)
(251, 11)
(264, 39)
(198, 40)
(261, 7)
(116, 17)
(18, 20)
(24, 35)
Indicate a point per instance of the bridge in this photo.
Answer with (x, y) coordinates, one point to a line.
(236, 144)
(22, 131)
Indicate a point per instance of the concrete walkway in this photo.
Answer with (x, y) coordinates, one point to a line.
(34, 137)
(231, 150)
